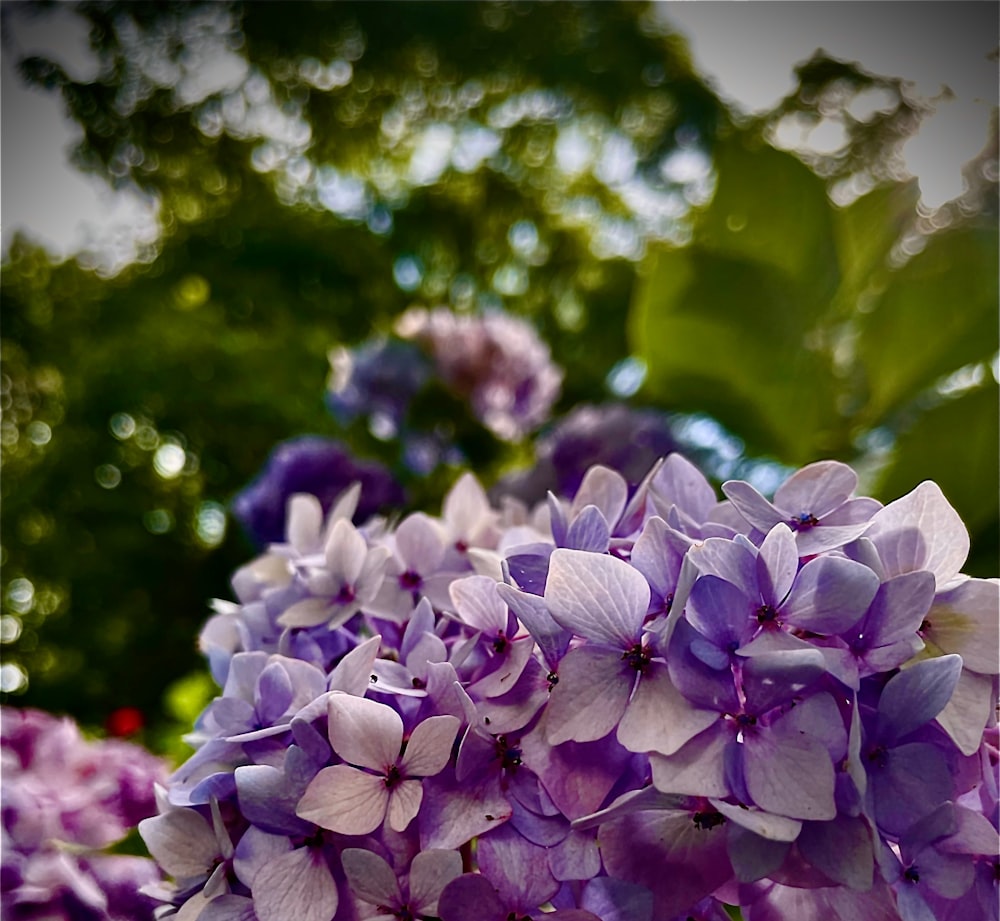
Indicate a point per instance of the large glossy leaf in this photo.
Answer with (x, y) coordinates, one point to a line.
(936, 314)
(954, 444)
(728, 337)
(770, 208)
(866, 231)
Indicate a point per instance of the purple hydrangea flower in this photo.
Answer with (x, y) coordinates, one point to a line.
(631, 704)
(614, 435)
(494, 360)
(311, 464)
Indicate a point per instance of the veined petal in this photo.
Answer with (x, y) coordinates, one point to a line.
(777, 564)
(790, 775)
(603, 487)
(353, 672)
(842, 849)
(420, 543)
(404, 803)
(830, 594)
(589, 531)
(966, 619)
(816, 489)
(659, 718)
(296, 885)
(968, 711)
(430, 872)
(309, 612)
(921, 531)
(590, 698)
(597, 596)
(181, 842)
(478, 604)
(345, 800)
(345, 552)
(429, 746)
(766, 824)
(470, 896)
(915, 696)
(752, 505)
(370, 877)
(698, 768)
(364, 732)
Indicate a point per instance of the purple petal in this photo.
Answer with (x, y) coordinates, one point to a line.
(681, 483)
(827, 537)
(706, 687)
(720, 612)
(752, 505)
(789, 775)
(353, 672)
(268, 801)
(273, 693)
(597, 596)
(228, 908)
(404, 804)
(181, 842)
(908, 783)
(965, 620)
(658, 718)
(470, 896)
(296, 885)
(454, 813)
(590, 698)
(898, 609)
(517, 868)
(969, 711)
(753, 857)
(616, 900)
(842, 849)
(364, 732)
(656, 559)
(816, 489)
(478, 604)
(429, 746)
(668, 854)
(604, 488)
(921, 531)
(698, 768)
(419, 543)
(764, 825)
(345, 552)
(588, 531)
(258, 848)
(777, 564)
(370, 877)
(575, 857)
(345, 800)
(773, 678)
(915, 696)
(830, 594)
(532, 611)
(430, 872)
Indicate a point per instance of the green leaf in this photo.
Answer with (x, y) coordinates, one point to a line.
(954, 444)
(770, 208)
(937, 314)
(728, 337)
(866, 231)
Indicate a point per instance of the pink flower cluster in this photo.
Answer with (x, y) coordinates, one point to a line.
(628, 705)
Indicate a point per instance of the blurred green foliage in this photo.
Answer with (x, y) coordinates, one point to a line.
(561, 160)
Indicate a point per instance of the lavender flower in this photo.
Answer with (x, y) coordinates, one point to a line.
(494, 360)
(319, 466)
(64, 800)
(632, 703)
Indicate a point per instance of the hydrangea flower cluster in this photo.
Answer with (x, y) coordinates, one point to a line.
(64, 800)
(322, 467)
(624, 438)
(626, 705)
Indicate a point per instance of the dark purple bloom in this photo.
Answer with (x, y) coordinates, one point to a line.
(613, 435)
(315, 465)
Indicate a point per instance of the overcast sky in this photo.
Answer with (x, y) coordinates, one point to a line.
(748, 50)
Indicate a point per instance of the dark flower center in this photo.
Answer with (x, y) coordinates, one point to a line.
(705, 821)
(912, 874)
(500, 643)
(509, 754)
(803, 521)
(553, 679)
(345, 595)
(410, 580)
(419, 683)
(878, 755)
(637, 657)
(766, 614)
(392, 777)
